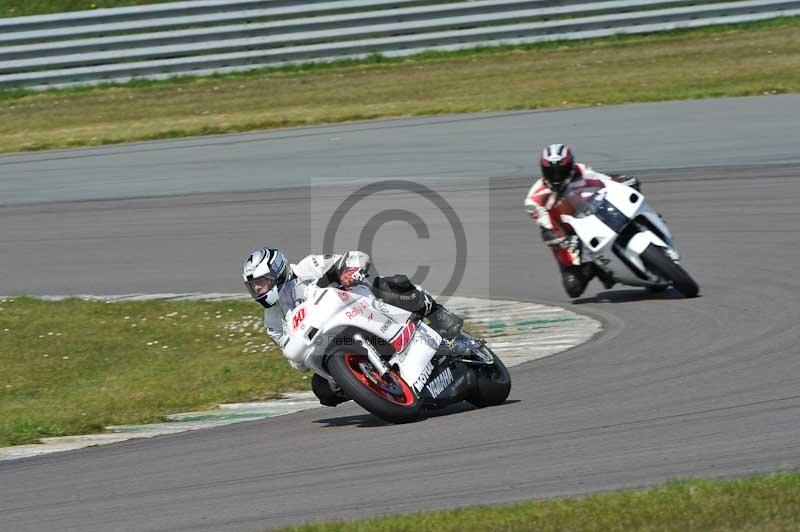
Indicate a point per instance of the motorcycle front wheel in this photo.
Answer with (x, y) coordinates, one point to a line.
(388, 397)
(493, 381)
(657, 260)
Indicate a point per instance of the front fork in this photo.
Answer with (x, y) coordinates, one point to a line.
(373, 356)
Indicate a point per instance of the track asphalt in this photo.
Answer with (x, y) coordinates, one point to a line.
(672, 388)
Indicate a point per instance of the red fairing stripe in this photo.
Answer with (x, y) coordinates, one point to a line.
(401, 340)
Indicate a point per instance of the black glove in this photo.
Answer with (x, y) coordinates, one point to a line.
(570, 243)
(351, 276)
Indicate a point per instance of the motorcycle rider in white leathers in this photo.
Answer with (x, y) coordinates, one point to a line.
(267, 269)
(560, 176)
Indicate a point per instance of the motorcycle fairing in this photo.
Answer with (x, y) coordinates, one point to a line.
(610, 204)
(415, 361)
(448, 383)
(316, 325)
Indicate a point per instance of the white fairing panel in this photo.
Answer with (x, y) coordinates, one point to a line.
(591, 231)
(621, 195)
(415, 361)
(640, 241)
(316, 323)
(624, 198)
(659, 224)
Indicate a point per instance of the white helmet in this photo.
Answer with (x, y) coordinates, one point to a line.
(265, 271)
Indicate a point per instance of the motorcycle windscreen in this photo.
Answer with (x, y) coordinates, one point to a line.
(611, 216)
(591, 201)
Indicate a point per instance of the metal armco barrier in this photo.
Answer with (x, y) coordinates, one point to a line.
(208, 36)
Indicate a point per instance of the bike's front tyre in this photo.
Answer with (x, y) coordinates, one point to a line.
(388, 397)
(657, 260)
(493, 382)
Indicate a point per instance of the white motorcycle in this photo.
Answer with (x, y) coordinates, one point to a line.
(626, 239)
(384, 358)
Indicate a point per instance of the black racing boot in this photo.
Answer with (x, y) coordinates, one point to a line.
(444, 322)
(605, 277)
(322, 389)
(575, 278)
(398, 290)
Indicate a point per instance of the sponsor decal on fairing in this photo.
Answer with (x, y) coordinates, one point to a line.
(402, 339)
(298, 318)
(419, 384)
(359, 308)
(440, 382)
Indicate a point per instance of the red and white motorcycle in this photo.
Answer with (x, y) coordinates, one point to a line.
(625, 238)
(386, 359)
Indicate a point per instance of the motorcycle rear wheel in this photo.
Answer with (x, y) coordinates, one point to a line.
(388, 397)
(657, 260)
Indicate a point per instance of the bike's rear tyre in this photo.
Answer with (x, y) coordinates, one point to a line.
(390, 398)
(657, 260)
(493, 382)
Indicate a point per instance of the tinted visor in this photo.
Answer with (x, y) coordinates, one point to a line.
(260, 286)
(556, 175)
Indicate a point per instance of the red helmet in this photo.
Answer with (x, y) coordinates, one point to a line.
(558, 166)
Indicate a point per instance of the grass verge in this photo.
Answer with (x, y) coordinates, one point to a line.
(761, 504)
(750, 59)
(74, 367)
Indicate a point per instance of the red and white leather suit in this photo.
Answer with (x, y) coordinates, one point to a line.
(546, 208)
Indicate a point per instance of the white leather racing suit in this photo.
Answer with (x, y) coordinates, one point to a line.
(322, 270)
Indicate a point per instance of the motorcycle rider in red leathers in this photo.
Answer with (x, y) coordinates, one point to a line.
(561, 175)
